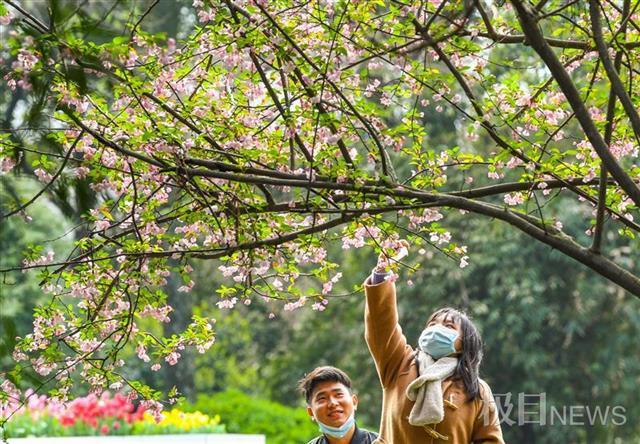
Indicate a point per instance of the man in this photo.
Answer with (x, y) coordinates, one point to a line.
(332, 404)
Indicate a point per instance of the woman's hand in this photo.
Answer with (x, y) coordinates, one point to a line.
(401, 250)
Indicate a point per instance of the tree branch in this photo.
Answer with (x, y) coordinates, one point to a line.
(387, 168)
(48, 184)
(536, 39)
(612, 72)
(527, 224)
(608, 132)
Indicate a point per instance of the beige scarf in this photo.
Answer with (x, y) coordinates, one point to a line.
(426, 389)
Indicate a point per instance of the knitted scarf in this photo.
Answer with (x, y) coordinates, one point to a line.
(426, 389)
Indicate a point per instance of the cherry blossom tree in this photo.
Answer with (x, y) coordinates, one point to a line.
(278, 127)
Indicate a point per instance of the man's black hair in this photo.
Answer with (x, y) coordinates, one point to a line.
(308, 384)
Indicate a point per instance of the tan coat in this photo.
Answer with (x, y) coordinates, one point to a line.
(464, 422)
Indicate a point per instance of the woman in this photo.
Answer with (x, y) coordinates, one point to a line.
(432, 394)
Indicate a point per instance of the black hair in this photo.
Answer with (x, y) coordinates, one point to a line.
(471, 354)
(308, 384)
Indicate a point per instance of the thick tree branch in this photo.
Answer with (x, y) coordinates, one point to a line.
(32, 20)
(556, 43)
(608, 132)
(526, 224)
(612, 72)
(377, 188)
(502, 143)
(536, 39)
(561, 242)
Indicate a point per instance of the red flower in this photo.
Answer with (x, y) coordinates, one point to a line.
(67, 421)
(104, 413)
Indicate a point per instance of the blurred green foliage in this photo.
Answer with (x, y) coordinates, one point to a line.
(23, 426)
(20, 292)
(244, 414)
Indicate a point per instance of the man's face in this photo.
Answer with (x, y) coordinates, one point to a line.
(331, 403)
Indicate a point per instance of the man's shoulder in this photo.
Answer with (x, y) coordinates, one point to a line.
(366, 437)
(372, 435)
(362, 437)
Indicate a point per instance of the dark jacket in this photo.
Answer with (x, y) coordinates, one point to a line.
(360, 437)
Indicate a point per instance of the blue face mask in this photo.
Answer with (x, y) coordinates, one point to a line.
(337, 432)
(438, 341)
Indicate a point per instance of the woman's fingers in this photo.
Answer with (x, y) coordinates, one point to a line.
(401, 251)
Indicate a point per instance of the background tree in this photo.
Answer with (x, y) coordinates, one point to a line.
(273, 130)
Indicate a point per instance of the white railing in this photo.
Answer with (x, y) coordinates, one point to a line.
(148, 439)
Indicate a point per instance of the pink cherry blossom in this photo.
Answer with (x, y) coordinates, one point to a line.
(172, 358)
(385, 99)
(440, 238)
(142, 353)
(371, 88)
(6, 19)
(102, 225)
(227, 303)
(6, 164)
(160, 313)
(622, 206)
(42, 260)
(290, 306)
(320, 306)
(514, 162)
(25, 60)
(186, 288)
(42, 175)
(514, 198)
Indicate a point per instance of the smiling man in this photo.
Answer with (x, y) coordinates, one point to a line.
(332, 404)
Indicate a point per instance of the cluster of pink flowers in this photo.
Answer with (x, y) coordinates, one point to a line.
(328, 286)
(6, 164)
(42, 260)
(428, 215)
(357, 238)
(103, 413)
(514, 198)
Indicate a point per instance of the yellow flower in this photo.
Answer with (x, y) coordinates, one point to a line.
(183, 420)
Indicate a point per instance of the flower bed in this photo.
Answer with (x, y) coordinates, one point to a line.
(105, 415)
(154, 439)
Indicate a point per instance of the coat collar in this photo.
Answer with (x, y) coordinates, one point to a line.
(359, 437)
